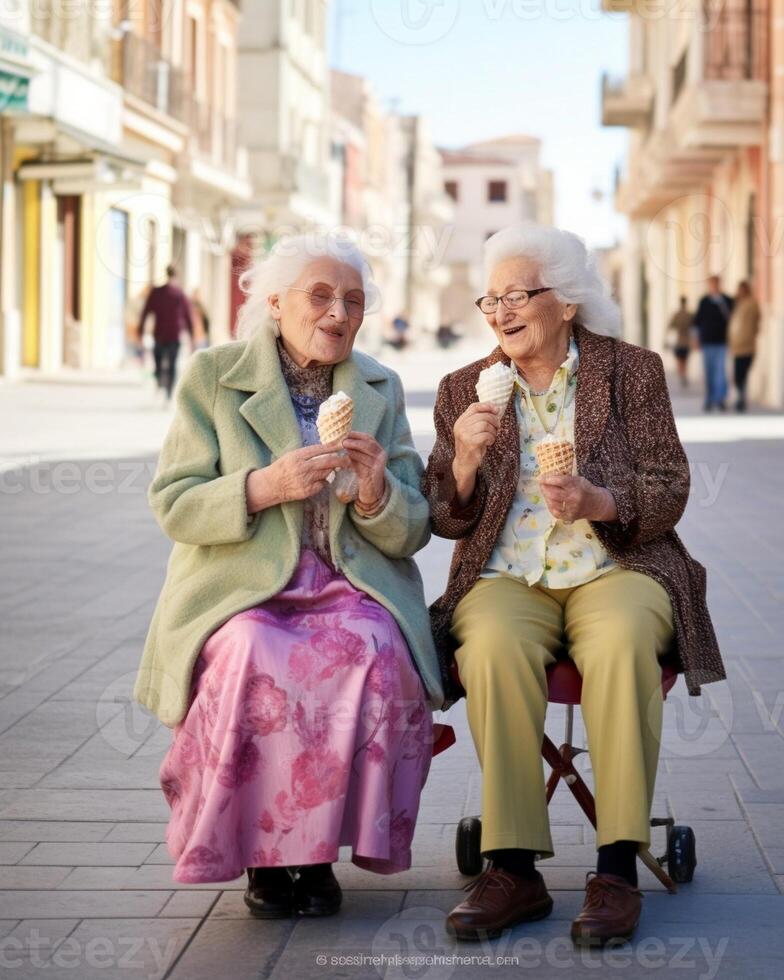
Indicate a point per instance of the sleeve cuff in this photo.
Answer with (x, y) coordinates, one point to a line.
(448, 494)
(379, 507)
(386, 497)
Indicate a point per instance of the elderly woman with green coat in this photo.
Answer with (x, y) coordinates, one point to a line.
(290, 648)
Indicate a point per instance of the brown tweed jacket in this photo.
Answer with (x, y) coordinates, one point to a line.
(625, 439)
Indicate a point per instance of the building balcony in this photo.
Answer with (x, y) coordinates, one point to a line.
(214, 135)
(144, 73)
(715, 107)
(627, 101)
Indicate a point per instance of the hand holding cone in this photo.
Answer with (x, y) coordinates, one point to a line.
(495, 384)
(555, 457)
(334, 423)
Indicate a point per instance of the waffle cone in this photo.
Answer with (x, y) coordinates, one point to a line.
(555, 458)
(337, 424)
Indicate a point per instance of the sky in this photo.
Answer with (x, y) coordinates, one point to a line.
(477, 69)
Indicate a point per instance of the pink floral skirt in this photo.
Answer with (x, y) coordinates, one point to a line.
(308, 728)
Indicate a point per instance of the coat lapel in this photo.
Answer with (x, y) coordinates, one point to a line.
(592, 398)
(268, 410)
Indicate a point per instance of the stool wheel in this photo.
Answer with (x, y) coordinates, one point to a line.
(467, 846)
(681, 853)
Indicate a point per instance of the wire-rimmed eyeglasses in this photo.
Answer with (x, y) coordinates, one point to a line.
(323, 299)
(515, 299)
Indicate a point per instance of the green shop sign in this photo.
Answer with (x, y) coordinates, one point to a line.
(14, 72)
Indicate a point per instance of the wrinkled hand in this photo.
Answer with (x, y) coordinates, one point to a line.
(303, 472)
(368, 460)
(475, 431)
(573, 498)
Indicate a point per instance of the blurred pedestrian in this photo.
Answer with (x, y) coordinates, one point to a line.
(399, 337)
(680, 324)
(446, 336)
(710, 321)
(172, 311)
(201, 321)
(743, 330)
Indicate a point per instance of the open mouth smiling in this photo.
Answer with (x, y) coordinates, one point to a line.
(508, 331)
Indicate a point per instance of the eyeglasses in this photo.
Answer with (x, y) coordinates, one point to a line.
(323, 299)
(515, 299)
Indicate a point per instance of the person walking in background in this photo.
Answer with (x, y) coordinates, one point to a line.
(743, 330)
(172, 311)
(201, 321)
(680, 323)
(711, 319)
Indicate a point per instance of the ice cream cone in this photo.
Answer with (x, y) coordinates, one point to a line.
(334, 422)
(555, 457)
(495, 384)
(335, 417)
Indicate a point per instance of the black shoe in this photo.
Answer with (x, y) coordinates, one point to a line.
(722, 407)
(316, 890)
(707, 407)
(740, 407)
(270, 893)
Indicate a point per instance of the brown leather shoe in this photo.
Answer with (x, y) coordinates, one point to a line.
(611, 910)
(496, 900)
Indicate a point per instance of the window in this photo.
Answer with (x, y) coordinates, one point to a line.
(450, 188)
(496, 190)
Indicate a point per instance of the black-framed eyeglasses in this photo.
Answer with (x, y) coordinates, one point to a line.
(323, 299)
(515, 299)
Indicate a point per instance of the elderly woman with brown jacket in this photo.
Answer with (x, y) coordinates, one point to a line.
(588, 562)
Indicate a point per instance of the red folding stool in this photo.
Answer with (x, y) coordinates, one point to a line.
(564, 686)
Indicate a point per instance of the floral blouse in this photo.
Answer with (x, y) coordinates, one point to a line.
(534, 545)
(308, 388)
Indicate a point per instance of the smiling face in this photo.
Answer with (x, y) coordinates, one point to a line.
(320, 334)
(541, 328)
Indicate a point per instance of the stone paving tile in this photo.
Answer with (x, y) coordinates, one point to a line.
(13, 851)
(53, 830)
(244, 949)
(141, 831)
(33, 877)
(88, 855)
(36, 940)
(116, 947)
(190, 904)
(117, 805)
(45, 904)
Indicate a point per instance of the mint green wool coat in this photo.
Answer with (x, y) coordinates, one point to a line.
(234, 414)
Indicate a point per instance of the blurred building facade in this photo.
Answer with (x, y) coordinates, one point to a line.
(493, 183)
(703, 185)
(122, 157)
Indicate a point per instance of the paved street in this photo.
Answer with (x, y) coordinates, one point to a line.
(86, 886)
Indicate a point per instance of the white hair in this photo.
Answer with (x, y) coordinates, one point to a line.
(565, 264)
(277, 270)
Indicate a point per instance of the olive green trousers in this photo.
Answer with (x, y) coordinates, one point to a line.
(615, 628)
